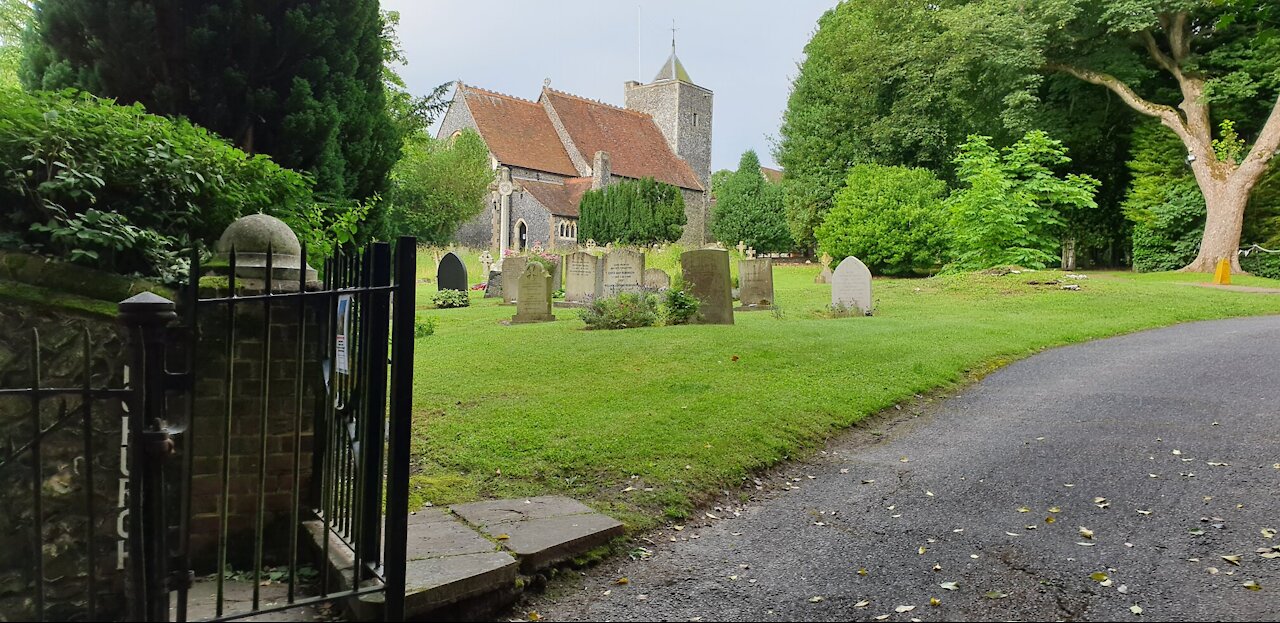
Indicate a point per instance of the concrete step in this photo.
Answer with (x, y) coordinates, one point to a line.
(542, 531)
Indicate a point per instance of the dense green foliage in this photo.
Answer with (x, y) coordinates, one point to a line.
(126, 191)
(638, 212)
(749, 209)
(299, 80)
(891, 218)
(679, 306)
(899, 83)
(1163, 202)
(14, 17)
(1011, 207)
(438, 185)
(449, 299)
(627, 310)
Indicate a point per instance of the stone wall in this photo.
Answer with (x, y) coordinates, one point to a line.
(64, 525)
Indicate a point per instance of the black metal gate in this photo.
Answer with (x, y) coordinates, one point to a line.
(363, 315)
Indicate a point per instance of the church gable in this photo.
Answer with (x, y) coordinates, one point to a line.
(517, 132)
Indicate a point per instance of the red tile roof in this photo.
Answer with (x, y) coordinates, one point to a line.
(518, 132)
(635, 145)
(773, 175)
(559, 199)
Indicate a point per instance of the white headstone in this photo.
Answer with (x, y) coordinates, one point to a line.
(584, 277)
(851, 285)
(623, 271)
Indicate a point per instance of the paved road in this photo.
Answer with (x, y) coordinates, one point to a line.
(1164, 444)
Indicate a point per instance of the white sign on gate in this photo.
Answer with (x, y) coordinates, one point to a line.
(344, 328)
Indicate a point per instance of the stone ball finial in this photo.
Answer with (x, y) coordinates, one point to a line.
(258, 232)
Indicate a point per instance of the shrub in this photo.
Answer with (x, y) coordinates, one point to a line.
(1262, 264)
(624, 311)
(109, 185)
(448, 299)
(640, 212)
(438, 185)
(891, 218)
(749, 209)
(679, 307)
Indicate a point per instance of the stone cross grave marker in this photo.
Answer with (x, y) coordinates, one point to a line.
(451, 273)
(512, 268)
(591, 245)
(755, 283)
(623, 271)
(742, 247)
(706, 273)
(824, 276)
(656, 279)
(533, 304)
(486, 262)
(851, 286)
(584, 277)
(751, 253)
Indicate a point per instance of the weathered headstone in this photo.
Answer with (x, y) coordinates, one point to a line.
(706, 274)
(755, 283)
(851, 286)
(623, 272)
(512, 268)
(451, 273)
(493, 287)
(584, 277)
(486, 262)
(656, 279)
(533, 303)
(825, 275)
(557, 275)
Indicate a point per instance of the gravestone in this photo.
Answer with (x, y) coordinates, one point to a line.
(825, 275)
(851, 286)
(533, 303)
(706, 274)
(623, 272)
(557, 275)
(755, 283)
(451, 273)
(493, 287)
(584, 277)
(512, 268)
(486, 262)
(656, 279)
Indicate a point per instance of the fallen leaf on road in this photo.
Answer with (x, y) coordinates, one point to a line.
(862, 571)
(1177, 452)
(921, 551)
(935, 602)
(1086, 544)
(1049, 519)
(534, 616)
(1252, 585)
(929, 493)
(950, 586)
(1122, 589)
(1212, 570)
(1136, 609)
(1098, 576)
(815, 599)
(995, 595)
(937, 567)
(1270, 555)
(1212, 464)
(1105, 583)
(503, 537)
(1142, 512)
(1013, 534)
(1023, 509)
(622, 581)
(1055, 509)
(1235, 560)
(844, 471)
(882, 617)
(1268, 533)
(1196, 532)
(901, 609)
(1086, 533)
(862, 604)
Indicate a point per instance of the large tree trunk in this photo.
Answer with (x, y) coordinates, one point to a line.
(1223, 223)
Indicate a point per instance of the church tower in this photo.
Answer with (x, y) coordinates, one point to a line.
(682, 111)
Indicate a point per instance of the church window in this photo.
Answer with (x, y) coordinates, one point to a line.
(695, 119)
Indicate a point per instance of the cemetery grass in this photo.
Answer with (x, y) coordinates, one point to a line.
(646, 424)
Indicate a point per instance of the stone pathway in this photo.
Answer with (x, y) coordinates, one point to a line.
(1115, 480)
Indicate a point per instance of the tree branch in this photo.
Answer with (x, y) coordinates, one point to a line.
(1166, 114)
(1264, 149)
(1161, 58)
(1180, 38)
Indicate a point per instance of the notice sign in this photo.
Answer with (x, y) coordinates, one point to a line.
(344, 329)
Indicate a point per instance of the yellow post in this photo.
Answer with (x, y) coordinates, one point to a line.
(1222, 276)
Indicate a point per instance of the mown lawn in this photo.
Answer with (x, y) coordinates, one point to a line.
(680, 413)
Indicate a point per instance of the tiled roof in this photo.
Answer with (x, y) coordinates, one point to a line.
(517, 132)
(773, 175)
(559, 199)
(636, 147)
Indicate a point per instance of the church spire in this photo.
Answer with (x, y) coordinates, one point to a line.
(673, 69)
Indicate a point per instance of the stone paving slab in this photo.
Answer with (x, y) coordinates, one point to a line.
(449, 562)
(541, 531)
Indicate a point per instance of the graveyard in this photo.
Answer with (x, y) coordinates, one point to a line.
(648, 424)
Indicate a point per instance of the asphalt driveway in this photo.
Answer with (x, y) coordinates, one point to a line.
(1130, 478)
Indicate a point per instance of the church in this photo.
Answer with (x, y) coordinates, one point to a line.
(547, 153)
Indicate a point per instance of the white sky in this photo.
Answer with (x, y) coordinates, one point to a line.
(745, 51)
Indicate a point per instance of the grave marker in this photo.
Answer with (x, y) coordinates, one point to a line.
(533, 303)
(656, 279)
(623, 272)
(755, 283)
(451, 273)
(851, 286)
(512, 269)
(584, 277)
(706, 274)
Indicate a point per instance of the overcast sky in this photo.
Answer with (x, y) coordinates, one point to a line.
(743, 50)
